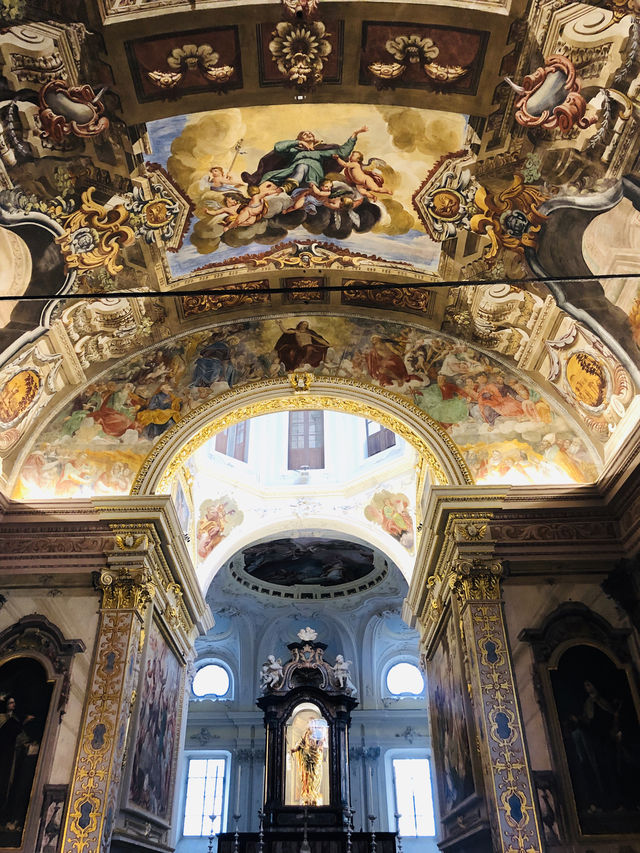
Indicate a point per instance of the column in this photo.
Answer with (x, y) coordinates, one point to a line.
(486, 796)
(510, 795)
(126, 593)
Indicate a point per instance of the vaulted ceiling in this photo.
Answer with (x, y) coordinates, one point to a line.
(439, 201)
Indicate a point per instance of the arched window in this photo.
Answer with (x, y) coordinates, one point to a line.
(404, 679)
(213, 680)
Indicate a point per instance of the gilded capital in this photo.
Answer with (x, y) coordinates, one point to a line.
(476, 579)
(126, 589)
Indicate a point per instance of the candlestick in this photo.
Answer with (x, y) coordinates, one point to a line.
(237, 809)
(397, 816)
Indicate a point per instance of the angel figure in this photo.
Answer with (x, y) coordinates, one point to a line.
(368, 181)
(342, 675)
(271, 673)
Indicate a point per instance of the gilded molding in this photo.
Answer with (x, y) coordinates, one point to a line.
(276, 404)
(94, 788)
(476, 579)
(122, 590)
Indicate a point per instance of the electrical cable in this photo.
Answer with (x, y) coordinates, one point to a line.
(239, 289)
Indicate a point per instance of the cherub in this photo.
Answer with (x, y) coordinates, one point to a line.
(271, 672)
(234, 201)
(367, 181)
(332, 194)
(255, 209)
(342, 675)
(218, 179)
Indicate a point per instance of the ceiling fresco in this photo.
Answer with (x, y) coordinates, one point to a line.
(307, 561)
(506, 426)
(440, 204)
(346, 176)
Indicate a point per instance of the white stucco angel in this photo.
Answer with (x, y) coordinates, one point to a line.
(271, 673)
(342, 675)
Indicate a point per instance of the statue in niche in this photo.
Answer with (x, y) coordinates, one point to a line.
(309, 754)
(342, 675)
(271, 673)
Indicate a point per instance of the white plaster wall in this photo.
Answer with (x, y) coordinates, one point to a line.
(76, 615)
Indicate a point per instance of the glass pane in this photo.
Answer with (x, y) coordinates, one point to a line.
(414, 796)
(405, 678)
(197, 767)
(212, 680)
(205, 789)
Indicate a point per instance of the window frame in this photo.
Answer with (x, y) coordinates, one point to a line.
(231, 434)
(214, 697)
(206, 755)
(405, 694)
(384, 671)
(392, 794)
(312, 458)
(379, 436)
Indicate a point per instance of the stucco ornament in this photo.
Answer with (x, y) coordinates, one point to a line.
(93, 236)
(307, 634)
(300, 8)
(411, 50)
(67, 111)
(300, 51)
(510, 218)
(201, 58)
(550, 98)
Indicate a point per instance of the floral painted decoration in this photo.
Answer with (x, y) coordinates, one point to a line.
(411, 50)
(201, 58)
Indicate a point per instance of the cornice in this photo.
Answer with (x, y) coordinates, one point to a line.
(77, 537)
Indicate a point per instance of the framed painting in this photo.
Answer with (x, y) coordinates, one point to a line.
(588, 690)
(155, 741)
(451, 741)
(53, 804)
(25, 699)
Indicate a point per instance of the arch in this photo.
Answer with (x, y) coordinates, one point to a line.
(436, 451)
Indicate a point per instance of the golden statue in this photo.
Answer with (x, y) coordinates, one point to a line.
(308, 752)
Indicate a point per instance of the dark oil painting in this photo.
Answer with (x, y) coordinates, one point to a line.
(25, 696)
(601, 738)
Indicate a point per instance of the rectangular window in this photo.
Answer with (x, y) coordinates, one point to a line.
(379, 438)
(234, 441)
(414, 797)
(205, 795)
(306, 440)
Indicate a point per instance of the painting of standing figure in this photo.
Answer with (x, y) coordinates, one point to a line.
(601, 738)
(152, 765)
(450, 735)
(25, 696)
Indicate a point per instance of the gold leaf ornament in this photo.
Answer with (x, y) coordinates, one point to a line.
(94, 235)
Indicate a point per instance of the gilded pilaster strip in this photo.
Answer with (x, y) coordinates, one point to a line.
(95, 784)
(476, 585)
